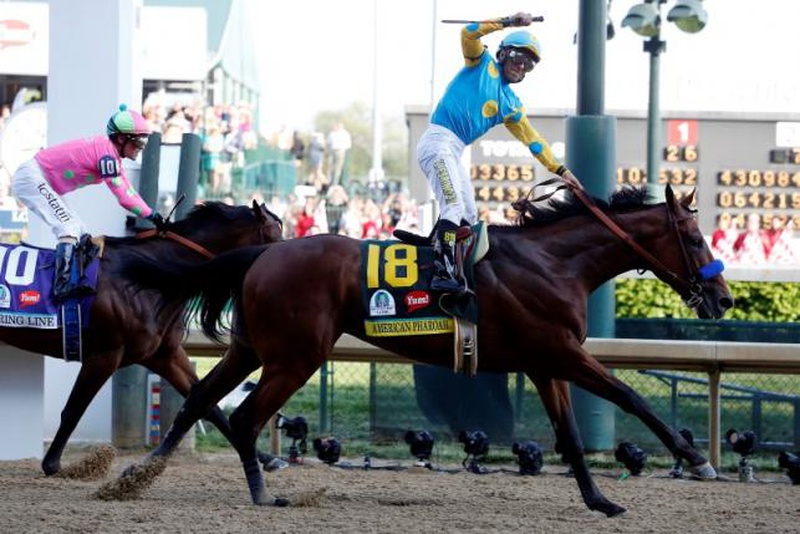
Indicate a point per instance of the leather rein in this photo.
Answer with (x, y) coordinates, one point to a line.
(188, 243)
(691, 289)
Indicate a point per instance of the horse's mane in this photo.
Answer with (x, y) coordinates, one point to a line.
(627, 197)
(200, 214)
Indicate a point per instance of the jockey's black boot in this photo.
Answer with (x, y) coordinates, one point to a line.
(62, 281)
(445, 277)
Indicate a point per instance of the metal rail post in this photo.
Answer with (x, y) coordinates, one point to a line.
(714, 438)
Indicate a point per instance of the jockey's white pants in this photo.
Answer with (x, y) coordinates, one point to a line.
(31, 188)
(439, 154)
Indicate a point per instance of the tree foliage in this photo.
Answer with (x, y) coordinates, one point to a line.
(357, 119)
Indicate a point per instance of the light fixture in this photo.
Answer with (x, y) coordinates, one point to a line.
(688, 15)
(328, 450)
(790, 462)
(745, 444)
(632, 456)
(476, 445)
(297, 429)
(421, 446)
(529, 457)
(643, 19)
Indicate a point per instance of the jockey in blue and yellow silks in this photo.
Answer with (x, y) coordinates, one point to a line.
(477, 99)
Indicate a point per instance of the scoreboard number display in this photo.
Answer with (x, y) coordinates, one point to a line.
(730, 182)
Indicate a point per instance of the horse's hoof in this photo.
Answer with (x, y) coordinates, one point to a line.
(128, 471)
(280, 502)
(50, 470)
(608, 508)
(704, 471)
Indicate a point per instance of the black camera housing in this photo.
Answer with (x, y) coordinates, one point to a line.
(632, 456)
(296, 428)
(529, 457)
(475, 442)
(420, 443)
(328, 450)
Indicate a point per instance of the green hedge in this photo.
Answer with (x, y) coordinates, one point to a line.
(755, 301)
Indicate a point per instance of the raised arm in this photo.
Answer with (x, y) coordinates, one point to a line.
(521, 128)
(471, 45)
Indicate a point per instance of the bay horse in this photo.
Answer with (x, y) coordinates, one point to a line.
(123, 329)
(295, 298)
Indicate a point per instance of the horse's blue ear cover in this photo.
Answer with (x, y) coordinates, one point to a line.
(710, 270)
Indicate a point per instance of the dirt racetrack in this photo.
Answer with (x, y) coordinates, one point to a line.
(207, 493)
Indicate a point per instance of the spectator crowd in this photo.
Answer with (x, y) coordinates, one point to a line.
(755, 245)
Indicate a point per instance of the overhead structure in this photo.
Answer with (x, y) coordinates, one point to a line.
(645, 20)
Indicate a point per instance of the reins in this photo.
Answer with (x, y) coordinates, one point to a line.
(188, 243)
(690, 287)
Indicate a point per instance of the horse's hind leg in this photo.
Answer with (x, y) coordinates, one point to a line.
(94, 372)
(590, 375)
(176, 368)
(556, 400)
(236, 364)
(276, 386)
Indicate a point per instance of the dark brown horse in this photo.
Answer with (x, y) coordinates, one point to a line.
(295, 298)
(124, 330)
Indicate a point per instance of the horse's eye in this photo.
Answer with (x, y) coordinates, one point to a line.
(698, 242)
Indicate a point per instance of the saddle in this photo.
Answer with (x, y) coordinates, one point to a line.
(472, 244)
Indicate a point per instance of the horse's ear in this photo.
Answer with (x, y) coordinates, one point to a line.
(670, 196)
(259, 211)
(687, 200)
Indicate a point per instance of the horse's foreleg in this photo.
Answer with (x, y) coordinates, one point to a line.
(95, 371)
(590, 375)
(556, 400)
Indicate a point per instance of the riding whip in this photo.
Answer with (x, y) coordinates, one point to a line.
(454, 21)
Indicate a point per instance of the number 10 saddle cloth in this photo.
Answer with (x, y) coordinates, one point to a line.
(26, 300)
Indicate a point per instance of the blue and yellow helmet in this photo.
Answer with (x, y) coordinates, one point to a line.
(524, 40)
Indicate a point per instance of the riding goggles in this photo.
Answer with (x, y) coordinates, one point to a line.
(139, 141)
(521, 59)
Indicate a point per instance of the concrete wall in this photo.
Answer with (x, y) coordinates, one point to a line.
(94, 46)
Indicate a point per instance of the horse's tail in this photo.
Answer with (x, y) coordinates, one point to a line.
(221, 282)
(208, 285)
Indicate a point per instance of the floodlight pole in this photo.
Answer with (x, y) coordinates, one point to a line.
(590, 153)
(654, 46)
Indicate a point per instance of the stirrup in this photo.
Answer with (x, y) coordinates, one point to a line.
(448, 285)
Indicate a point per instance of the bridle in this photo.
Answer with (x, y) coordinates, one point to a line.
(172, 236)
(188, 243)
(691, 288)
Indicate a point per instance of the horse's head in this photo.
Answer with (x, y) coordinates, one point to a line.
(219, 227)
(690, 266)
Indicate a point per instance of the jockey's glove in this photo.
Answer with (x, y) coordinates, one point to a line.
(158, 220)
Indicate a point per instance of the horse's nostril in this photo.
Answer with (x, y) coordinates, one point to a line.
(726, 303)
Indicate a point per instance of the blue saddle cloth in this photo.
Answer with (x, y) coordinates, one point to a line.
(26, 286)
